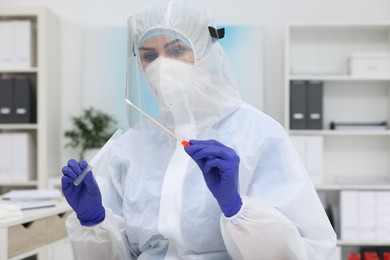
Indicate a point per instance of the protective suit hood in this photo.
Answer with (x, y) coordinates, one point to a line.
(212, 94)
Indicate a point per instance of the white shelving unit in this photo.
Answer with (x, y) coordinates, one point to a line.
(44, 77)
(320, 52)
(44, 74)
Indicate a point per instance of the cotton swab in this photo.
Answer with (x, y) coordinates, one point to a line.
(183, 141)
(97, 157)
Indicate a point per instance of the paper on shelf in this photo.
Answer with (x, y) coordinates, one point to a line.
(30, 195)
(34, 204)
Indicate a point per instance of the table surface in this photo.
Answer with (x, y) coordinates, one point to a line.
(34, 214)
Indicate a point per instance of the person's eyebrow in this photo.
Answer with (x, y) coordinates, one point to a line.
(171, 43)
(146, 49)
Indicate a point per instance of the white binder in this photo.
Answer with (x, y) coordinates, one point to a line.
(383, 216)
(367, 213)
(311, 151)
(22, 43)
(349, 215)
(315, 158)
(5, 157)
(15, 44)
(6, 44)
(22, 157)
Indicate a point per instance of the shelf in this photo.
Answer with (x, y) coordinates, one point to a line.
(18, 126)
(340, 187)
(43, 72)
(337, 78)
(19, 70)
(20, 184)
(340, 132)
(353, 163)
(360, 243)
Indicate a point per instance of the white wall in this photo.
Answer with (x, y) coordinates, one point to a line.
(271, 14)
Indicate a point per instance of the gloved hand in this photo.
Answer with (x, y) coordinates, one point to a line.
(85, 199)
(219, 165)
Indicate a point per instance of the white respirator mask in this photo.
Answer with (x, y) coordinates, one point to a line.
(169, 79)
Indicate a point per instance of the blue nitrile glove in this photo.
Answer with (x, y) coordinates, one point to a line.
(85, 199)
(219, 165)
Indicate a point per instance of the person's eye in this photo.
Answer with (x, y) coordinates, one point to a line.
(176, 51)
(149, 56)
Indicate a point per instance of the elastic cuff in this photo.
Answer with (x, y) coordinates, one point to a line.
(232, 210)
(239, 214)
(93, 222)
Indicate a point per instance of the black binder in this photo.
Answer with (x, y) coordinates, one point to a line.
(23, 99)
(314, 93)
(297, 105)
(6, 100)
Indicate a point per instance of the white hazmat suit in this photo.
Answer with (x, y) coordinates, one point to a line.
(155, 197)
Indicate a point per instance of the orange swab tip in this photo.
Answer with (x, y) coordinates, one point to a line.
(185, 143)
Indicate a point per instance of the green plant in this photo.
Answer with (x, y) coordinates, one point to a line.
(91, 129)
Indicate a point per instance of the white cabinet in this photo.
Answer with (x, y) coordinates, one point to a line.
(35, 52)
(39, 232)
(358, 158)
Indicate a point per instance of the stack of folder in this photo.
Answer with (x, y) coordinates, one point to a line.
(310, 149)
(15, 44)
(17, 157)
(17, 101)
(306, 98)
(364, 216)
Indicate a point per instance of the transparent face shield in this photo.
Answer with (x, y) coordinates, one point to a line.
(159, 74)
(137, 89)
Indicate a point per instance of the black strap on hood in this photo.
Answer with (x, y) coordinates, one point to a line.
(216, 34)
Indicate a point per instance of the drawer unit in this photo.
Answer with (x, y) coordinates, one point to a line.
(26, 235)
(34, 234)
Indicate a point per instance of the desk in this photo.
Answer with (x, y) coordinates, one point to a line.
(23, 236)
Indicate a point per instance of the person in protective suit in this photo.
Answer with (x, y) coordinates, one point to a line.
(238, 191)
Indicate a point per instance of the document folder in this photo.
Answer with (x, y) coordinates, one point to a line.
(314, 93)
(6, 44)
(6, 100)
(297, 105)
(22, 43)
(24, 111)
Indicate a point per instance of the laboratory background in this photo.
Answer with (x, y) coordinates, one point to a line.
(320, 68)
